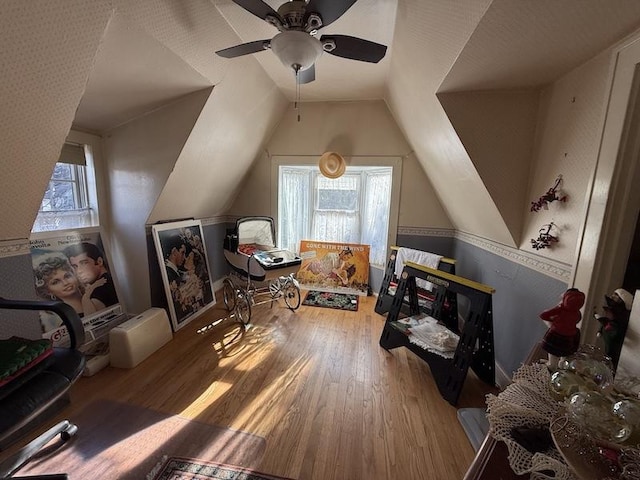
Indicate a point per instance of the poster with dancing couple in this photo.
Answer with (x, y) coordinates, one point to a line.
(72, 267)
(185, 271)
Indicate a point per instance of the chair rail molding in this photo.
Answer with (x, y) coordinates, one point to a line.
(14, 248)
(552, 268)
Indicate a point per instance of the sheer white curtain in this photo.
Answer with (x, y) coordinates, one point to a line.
(351, 209)
(62, 220)
(375, 225)
(336, 216)
(293, 207)
(333, 226)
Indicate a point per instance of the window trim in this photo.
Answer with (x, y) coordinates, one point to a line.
(355, 161)
(94, 188)
(79, 188)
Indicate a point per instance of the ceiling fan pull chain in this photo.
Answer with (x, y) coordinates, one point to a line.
(296, 104)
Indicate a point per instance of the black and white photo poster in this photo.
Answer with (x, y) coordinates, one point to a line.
(185, 271)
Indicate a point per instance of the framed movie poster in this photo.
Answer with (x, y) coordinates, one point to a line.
(334, 267)
(72, 267)
(185, 269)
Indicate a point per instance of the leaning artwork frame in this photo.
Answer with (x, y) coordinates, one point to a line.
(72, 266)
(184, 268)
(334, 267)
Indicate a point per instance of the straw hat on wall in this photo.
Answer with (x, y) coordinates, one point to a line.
(332, 165)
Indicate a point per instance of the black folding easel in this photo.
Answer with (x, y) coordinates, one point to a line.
(385, 298)
(475, 348)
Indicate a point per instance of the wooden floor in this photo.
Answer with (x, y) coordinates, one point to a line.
(330, 402)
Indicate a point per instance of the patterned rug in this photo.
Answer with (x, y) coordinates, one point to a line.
(121, 441)
(340, 301)
(178, 468)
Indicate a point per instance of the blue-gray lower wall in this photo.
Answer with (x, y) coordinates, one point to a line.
(16, 283)
(521, 294)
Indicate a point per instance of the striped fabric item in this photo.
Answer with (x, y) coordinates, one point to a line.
(17, 355)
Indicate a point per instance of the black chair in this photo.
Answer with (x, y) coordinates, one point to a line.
(40, 392)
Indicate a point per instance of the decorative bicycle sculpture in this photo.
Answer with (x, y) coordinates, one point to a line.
(251, 253)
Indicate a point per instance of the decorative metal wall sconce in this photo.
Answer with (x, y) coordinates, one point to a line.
(553, 194)
(545, 238)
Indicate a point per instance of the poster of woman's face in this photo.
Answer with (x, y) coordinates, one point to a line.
(185, 271)
(72, 267)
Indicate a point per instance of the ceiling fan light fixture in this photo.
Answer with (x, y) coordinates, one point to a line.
(296, 48)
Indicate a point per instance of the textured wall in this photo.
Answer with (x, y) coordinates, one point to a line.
(570, 129)
(47, 55)
(497, 129)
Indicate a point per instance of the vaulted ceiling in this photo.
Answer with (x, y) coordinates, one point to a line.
(476, 45)
(440, 54)
(127, 59)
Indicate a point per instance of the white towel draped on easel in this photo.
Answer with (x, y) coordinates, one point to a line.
(426, 259)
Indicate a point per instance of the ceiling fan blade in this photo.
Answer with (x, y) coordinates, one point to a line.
(329, 10)
(307, 76)
(244, 49)
(355, 48)
(258, 8)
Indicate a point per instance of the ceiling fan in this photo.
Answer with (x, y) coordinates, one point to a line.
(297, 45)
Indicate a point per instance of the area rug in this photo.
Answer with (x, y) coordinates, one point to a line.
(340, 301)
(178, 468)
(120, 441)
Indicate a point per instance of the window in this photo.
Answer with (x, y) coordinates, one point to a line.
(66, 190)
(354, 208)
(66, 202)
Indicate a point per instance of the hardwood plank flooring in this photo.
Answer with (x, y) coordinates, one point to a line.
(330, 402)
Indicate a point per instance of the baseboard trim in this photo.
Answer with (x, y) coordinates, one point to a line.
(502, 378)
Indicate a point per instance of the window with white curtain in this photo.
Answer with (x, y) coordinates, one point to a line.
(66, 201)
(354, 208)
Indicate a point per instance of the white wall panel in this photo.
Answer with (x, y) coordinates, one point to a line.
(354, 129)
(570, 130)
(140, 157)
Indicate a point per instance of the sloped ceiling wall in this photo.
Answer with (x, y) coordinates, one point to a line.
(48, 55)
(140, 157)
(426, 43)
(186, 158)
(443, 48)
(44, 73)
(498, 130)
(133, 74)
(241, 112)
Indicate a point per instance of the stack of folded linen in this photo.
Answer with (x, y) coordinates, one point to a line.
(426, 259)
(434, 337)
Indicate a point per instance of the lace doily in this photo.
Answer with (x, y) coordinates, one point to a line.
(527, 402)
(427, 333)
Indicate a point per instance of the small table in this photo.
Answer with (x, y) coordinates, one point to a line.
(491, 462)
